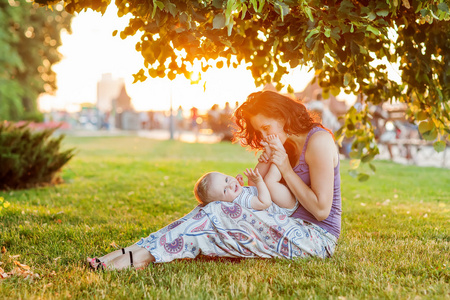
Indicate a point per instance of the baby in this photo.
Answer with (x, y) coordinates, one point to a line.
(215, 186)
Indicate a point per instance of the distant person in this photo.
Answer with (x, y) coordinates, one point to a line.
(326, 116)
(214, 118)
(144, 119)
(379, 119)
(226, 123)
(194, 124)
(227, 109)
(151, 119)
(180, 121)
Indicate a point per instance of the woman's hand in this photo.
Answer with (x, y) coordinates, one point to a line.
(279, 156)
(264, 158)
(281, 160)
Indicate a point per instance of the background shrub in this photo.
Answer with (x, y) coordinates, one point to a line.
(30, 158)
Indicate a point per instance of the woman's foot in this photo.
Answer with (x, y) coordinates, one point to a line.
(138, 258)
(110, 256)
(95, 264)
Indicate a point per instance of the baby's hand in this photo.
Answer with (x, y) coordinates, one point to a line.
(240, 179)
(253, 175)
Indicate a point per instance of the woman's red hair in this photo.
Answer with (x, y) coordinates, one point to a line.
(297, 118)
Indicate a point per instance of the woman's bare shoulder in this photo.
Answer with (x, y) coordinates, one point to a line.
(320, 137)
(321, 144)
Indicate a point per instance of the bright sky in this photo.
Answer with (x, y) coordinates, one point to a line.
(91, 51)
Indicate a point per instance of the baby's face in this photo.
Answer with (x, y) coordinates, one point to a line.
(223, 187)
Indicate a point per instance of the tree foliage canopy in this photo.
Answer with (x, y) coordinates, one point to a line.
(347, 42)
(29, 37)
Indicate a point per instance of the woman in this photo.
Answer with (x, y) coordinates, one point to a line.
(309, 164)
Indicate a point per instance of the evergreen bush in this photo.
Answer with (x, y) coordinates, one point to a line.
(30, 158)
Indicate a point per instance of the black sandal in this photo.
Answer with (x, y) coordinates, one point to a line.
(131, 259)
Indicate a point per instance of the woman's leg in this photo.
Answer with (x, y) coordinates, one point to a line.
(223, 229)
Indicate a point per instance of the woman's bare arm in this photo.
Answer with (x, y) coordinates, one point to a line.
(320, 158)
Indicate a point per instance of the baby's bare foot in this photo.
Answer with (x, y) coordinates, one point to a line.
(274, 140)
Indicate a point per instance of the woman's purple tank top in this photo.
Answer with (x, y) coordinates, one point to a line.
(333, 223)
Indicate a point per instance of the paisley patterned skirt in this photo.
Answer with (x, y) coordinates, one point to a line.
(223, 229)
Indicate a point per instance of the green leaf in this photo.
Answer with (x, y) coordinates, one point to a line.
(382, 13)
(290, 89)
(230, 27)
(353, 173)
(243, 11)
(425, 126)
(354, 163)
(261, 5)
(422, 116)
(312, 32)
(281, 8)
(439, 91)
(373, 30)
(372, 16)
(327, 32)
(217, 4)
(443, 6)
(231, 5)
(439, 146)
(363, 177)
(307, 11)
(159, 4)
(172, 8)
(424, 12)
(347, 78)
(372, 167)
(335, 91)
(430, 135)
(219, 21)
(366, 158)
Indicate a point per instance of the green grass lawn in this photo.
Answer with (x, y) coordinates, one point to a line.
(395, 240)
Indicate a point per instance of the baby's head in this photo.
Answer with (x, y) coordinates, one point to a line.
(215, 186)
